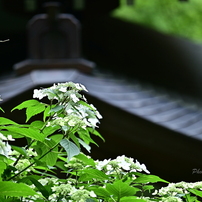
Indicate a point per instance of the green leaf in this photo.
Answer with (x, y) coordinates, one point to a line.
(37, 124)
(61, 165)
(34, 110)
(70, 148)
(2, 168)
(90, 200)
(57, 108)
(49, 130)
(43, 170)
(14, 134)
(86, 146)
(85, 159)
(75, 139)
(2, 110)
(27, 132)
(85, 136)
(195, 191)
(86, 105)
(40, 187)
(95, 132)
(15, 189)
(120, 189)
(148, 187)
(51, 157)
(56, 138)
(19, 149)
(90, 174)
(149, 178)
(5, 121)
(26, 104)
(131, 199)
(100, 191)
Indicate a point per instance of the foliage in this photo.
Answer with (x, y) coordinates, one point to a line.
(51, 166)
(167, 16)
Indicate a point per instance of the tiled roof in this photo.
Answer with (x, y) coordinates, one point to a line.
(150, 103)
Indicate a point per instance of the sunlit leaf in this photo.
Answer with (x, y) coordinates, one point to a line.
(121, 189)
(149, 178)
(5, 121)
(90, 174)
(26, 104)
(8, 188)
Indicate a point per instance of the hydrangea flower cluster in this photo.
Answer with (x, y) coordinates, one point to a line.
(70, 102)
(177, 189)
(66, 190)
(121, 163)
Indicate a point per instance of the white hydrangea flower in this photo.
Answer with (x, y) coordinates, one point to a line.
(23, 163)
(93, 122)
(74, 98)
(63, 189)
(81, 195)
(5, 148)
(9, 137)
(38, 94)
(171, 199)
(63, 89)
(141, 167)
(48, 180)
(172, 190)
(101, 164)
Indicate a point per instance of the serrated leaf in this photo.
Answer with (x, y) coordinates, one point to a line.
(26, 104)
(149, 178)
(15, 189)
(34, 110)
(70, 148)
(120, 189)
(90, 174)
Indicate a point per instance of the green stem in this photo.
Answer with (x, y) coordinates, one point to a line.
(30, 165)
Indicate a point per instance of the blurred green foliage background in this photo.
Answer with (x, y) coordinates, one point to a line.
(179, 18)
